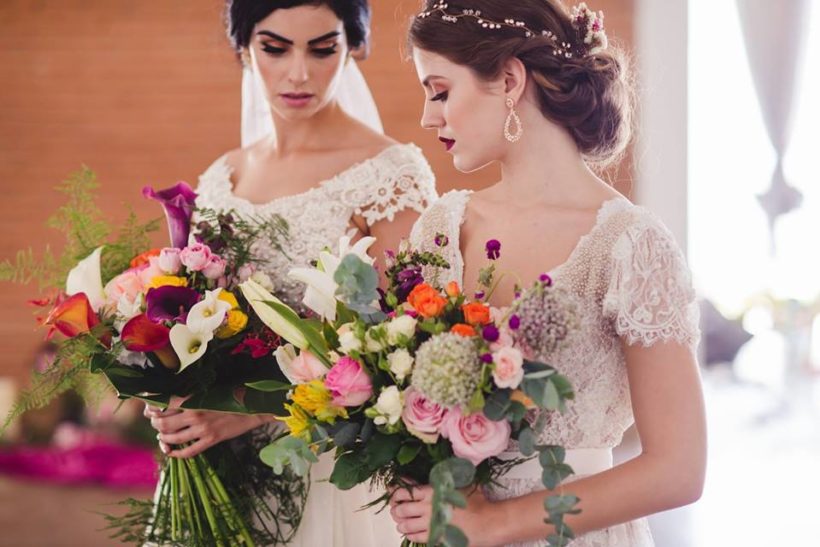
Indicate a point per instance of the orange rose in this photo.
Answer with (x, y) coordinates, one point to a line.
(426, 300)
(463, 330)
(142, 259)
(476, 313)
(452, 289)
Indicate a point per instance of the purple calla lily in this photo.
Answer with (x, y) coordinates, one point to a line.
(178, 202)
(169, 303)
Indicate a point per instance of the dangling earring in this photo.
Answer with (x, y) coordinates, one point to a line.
(513, 117)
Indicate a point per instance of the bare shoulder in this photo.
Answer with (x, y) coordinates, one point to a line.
(364, 142)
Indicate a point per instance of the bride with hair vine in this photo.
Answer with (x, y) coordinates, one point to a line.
(313, 152)
(538, 89)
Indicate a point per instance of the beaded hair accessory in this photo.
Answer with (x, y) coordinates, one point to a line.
(588, 24)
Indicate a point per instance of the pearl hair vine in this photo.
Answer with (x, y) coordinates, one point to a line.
(588, 24)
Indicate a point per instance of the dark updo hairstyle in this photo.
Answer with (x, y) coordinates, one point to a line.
(242, 15)
(588, 94)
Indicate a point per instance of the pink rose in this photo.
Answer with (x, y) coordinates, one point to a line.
(128, 284)
(475, 437)
(195, 257)
(215, 268)
(422, 416)
(169, 261)
(150, 271)
(349, 383)
(509, 367)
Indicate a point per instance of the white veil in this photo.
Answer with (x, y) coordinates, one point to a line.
(353, 96)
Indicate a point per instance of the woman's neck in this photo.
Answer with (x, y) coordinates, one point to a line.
(319, 132)
(545, 168)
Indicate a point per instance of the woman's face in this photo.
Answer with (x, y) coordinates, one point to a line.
(467, 113)
(299, 53)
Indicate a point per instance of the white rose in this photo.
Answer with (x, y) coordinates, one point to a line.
(389, 406)
(348, 341)
(371, 344)
(401, 363)
(404, 325)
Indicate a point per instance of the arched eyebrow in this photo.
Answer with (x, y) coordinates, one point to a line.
(320, 39)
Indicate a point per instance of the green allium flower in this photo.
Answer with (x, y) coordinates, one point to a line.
(447, 369)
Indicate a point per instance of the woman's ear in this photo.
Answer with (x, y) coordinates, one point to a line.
(361, 52)
(515, 78)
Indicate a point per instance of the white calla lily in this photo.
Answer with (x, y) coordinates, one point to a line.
(86, 277)
(256, 296)
(208, 314)
(188, 345)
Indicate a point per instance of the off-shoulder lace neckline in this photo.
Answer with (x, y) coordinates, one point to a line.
(224, 171)
(606, 208)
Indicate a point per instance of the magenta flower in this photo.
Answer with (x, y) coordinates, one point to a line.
(515, 322)
(169, 303)
(178, 202)
(441, 240)
(493, 248)
(490, 333)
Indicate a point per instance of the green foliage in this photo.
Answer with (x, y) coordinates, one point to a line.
(70, 370)
(81, 222)
(289, 451)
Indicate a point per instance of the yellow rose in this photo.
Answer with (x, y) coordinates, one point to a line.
(167, 281)
(236, 322)
(229, 298)
(317, 401)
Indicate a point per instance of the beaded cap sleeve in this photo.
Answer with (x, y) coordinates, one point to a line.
(445, 216)
(398, 178)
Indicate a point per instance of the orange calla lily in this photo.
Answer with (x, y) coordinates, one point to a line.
(73, 316)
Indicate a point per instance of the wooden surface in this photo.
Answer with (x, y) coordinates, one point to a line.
(148, 93)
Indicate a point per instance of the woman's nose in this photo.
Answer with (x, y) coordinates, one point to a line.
(298, 73)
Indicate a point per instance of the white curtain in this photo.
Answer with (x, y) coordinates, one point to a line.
(775, 35)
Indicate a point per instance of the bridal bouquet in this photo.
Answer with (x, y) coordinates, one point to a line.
(165, 323)
(425, 385)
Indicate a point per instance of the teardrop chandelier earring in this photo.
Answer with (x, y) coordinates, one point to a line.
(512, 117)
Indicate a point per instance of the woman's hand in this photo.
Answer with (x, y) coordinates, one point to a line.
(203, 428)
(412, 509)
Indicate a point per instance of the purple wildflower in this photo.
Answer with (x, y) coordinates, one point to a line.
(407, 280)
(493, 248)
(490, 333)
(515, 322)
(441, 240)
(545, 279)
(487, 358)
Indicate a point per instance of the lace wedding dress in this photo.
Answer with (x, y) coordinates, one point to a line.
(376, 189)
(631, 281)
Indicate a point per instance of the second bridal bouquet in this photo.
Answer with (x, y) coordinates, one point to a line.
(424, 385)
(163, 324)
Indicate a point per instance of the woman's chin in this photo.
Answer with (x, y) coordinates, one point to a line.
(468, 165)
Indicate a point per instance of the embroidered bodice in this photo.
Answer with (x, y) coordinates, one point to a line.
(631, 281)
(396, 179)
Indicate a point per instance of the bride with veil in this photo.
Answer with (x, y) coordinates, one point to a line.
(313, 151)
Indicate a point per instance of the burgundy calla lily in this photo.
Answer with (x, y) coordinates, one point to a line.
(178, 202)
(169, 303)
(142, 334)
